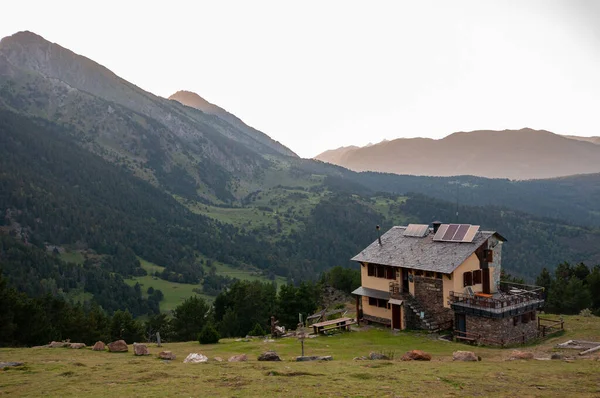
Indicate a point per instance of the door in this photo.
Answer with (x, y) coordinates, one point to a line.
(485, 276)
(460, 324)
(396, 313)
(404, 280)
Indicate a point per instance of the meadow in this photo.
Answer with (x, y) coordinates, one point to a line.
(66, 372)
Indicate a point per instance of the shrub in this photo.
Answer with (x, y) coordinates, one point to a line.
(586, 312)
(257, 331)
(208, 335)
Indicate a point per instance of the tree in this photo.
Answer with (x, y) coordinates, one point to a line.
(124, 327)
(209, 334)
(189, 318)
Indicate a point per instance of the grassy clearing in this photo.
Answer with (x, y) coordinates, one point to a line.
(65, 372)
(74, 257)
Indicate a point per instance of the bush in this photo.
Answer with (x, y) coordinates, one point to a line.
(257, 331)
(586, 312)
(208, 335)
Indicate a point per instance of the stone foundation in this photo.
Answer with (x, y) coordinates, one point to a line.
(502, 331)
(429, 292)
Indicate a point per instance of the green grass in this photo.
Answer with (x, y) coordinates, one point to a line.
(74, 257)
(65, 372)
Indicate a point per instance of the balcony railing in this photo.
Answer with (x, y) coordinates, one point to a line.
(509, 295)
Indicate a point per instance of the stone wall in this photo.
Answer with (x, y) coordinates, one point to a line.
(429, 292)
(502, 331)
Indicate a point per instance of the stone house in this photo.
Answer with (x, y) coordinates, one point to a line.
(445, 276)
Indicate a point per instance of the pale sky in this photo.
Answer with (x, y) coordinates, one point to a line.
(317, 75)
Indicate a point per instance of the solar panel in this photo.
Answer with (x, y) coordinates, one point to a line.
(416, 230)
(456, 233)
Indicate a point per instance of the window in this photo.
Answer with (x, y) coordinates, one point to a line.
(373, 301)
(438, 275)
(468, 278)
(371, 271)
(391, 273)
(418, 272)
(429, 274)
(525, 318)
(380, 271)
(382, 303)
(515, 320)
(532, 315)
(477, 276)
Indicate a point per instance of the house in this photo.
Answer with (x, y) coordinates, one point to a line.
(447, 275)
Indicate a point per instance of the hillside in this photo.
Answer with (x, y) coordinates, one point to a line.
(515, 154)
(593, 140)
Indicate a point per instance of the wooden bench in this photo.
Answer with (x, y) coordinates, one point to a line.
(340, 323)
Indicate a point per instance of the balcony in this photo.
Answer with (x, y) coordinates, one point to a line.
(512, 299)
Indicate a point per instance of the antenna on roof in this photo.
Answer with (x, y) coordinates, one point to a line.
(378, 234)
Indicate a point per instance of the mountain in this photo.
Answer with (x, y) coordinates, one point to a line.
(515, 154)
(593, 140)
(188, 152)
(193, 100)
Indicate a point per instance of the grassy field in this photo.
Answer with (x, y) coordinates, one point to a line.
(65, 372)
(175, 293)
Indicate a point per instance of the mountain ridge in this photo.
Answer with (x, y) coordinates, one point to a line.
(515, 154)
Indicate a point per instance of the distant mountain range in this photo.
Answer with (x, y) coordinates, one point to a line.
(515, 154)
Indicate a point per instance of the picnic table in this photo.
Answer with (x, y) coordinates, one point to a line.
(340, 323)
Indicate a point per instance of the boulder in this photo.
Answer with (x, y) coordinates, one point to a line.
(10, 364)
(118, 346)
(195, 358)
(416, 355)
(59, 344)
(374, 356)
(314, 358)
(557, 356)
(77, 346)
(166, 355)
(464, 356)
(238, 358)
(140, 349)
(521, 355)
(99, 346)
(269, 356)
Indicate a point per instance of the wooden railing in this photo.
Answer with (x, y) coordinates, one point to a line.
(511, 294)
(549, 326)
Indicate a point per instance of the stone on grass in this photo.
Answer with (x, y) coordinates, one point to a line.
(218, 359)
(166, 355)
(269, 356)
(195, 358)
(10, 364)
(521, 355)
(363, 358)
(374, 356)
(99, 346)
(416, 355)
(140, 349)
(238, 358)
(464, 356)
(77, 346)
(557, 356)
(58, 344)
(314, 358)
(118, 346)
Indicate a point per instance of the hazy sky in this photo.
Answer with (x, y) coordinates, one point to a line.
(317, 75)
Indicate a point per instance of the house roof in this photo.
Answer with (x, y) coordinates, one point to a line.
(365, 291)
(425, 254)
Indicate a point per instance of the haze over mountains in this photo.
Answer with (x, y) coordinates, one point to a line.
(515, 154)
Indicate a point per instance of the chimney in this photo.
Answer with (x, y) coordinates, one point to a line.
(378, 234)
(436, 226)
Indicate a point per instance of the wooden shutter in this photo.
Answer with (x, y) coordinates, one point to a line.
(371, 270)
(477, 276)
(489, 256)
(391, 273)
(468, 278)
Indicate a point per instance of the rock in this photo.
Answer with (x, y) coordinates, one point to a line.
(521, 355)
(195, 358)
(238, 358)
(218, 359)
(416, 355)
(269, 356)
(118, 346)
(99, 346)
(140, 349)
(10, 364)
(77, 346)
(360, 358)
(166, 355)
(557, 356)
(374, 356)
(314, 358)
(59, 344)
(464, 356)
